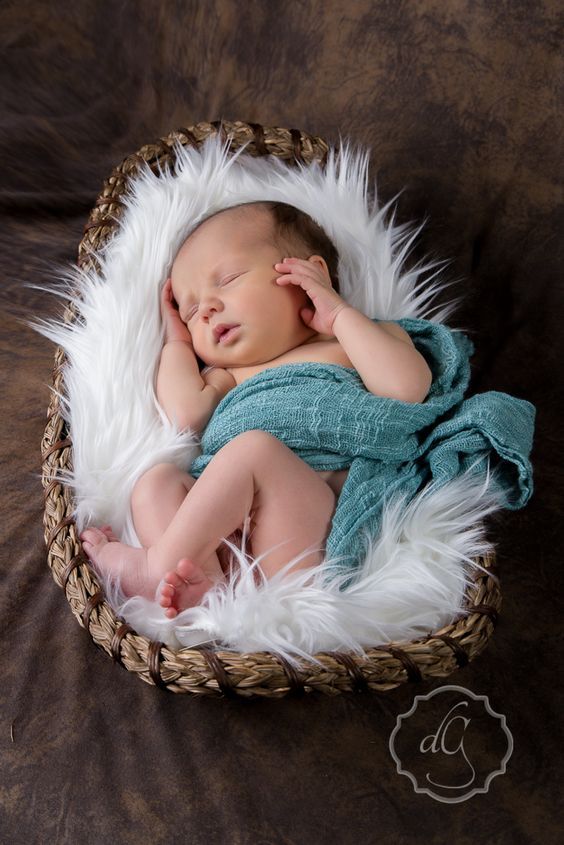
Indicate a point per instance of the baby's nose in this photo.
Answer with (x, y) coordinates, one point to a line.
(209, 305)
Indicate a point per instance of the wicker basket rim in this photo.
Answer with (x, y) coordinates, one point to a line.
(206, 670)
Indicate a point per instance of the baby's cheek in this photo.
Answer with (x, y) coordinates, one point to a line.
(297, 293)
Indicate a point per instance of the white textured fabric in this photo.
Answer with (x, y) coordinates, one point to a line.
(414, 574)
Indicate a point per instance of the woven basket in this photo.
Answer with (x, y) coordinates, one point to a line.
(205, 670)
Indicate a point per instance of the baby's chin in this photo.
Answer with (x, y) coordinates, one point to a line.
(216, 362)
(233, 358)
(228, 359)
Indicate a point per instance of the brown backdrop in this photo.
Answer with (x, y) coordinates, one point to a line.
(459, 102)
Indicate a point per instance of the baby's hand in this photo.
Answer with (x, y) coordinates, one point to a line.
(221, 380)
(175, 329)
(315, 280)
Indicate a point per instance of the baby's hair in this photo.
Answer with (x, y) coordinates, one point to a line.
(295, 233)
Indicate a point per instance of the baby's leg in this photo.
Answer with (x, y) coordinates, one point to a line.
(253, 472)
(292, 505)
(156, 498)
(155, 501)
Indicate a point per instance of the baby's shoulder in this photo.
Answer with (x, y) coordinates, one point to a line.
(324, 351)
(321, 352)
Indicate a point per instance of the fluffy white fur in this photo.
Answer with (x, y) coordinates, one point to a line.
(414, 575)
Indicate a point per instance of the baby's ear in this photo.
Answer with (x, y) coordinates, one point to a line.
(319, 260)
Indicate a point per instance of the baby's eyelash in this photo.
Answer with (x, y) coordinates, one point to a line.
(192, 313)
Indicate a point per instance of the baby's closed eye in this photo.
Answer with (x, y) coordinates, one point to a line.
(192, 312)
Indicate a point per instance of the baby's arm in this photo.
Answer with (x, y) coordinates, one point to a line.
(187, 400)
(383, 354)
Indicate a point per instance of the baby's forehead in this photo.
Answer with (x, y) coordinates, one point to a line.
(249, 219)
(255, 225)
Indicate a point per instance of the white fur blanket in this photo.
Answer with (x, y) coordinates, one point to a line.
(415, 572)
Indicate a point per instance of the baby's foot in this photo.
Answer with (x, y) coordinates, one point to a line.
(184, 587)
(118, 560)
(108, 531)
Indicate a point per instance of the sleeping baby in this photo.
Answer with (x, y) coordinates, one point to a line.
(235, 302)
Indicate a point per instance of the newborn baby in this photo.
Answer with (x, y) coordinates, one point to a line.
(237, 303)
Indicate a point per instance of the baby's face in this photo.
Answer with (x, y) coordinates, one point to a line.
(224, 273)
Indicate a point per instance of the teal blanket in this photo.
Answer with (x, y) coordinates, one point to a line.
(328, 418)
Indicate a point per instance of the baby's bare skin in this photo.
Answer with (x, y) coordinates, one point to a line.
(254, 474)
(140, 572)
(265, 298)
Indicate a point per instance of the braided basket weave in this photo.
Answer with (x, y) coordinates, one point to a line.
(205, 670)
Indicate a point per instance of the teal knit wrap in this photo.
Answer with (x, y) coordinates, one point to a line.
(324, 413)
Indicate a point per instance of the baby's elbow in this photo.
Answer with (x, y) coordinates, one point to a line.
(181, 423)
(416, 391)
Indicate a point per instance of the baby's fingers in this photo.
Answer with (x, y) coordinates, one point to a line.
(300, 269)
(295, 265)
(168, 301)
(306, 280)
(165, 294)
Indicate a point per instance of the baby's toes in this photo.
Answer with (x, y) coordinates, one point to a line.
(174, 579)
(108, 531)
(187, 571)
(166, 595)
(93, 537)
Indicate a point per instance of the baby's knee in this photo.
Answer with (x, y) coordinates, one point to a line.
(255, 444)
(156, 479)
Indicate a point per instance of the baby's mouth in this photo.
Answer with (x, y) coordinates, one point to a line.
(227, 334)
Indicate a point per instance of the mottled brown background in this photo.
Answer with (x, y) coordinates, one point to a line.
(460, 103)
